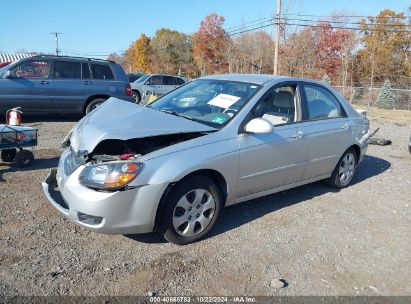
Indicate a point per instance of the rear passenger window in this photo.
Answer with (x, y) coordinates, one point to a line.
(101, 71)
(322, 104)
(178, 81)
(85, 71)
(67, 69)
(168, 80)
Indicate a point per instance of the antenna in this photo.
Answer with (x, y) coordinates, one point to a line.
(56, 34)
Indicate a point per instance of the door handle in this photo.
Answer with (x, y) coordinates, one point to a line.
(44, 82)
(298, 134)
(345, 126)
(86, 82)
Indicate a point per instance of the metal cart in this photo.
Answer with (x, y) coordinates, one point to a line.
(13, 138)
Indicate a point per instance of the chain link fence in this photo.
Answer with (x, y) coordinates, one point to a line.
(365, 96)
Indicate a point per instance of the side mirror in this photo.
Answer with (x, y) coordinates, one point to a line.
(7, 74)
(259, 126)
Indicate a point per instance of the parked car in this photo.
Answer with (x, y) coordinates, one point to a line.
(134, 76)
(217, 141)
(61, 84)
(3, 64)
(156, 84)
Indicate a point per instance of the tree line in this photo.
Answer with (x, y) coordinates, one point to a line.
(377, 49)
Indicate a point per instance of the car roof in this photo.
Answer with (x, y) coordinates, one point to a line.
(164, 75)
(255, 78)
(68, 57)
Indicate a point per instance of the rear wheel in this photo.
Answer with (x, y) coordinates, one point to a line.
(192, 210)
(136, 95)
(8, 155)
(345, 170)
(24, 158)
(94, 104)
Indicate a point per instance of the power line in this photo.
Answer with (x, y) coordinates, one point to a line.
(307, 24)
(247, 23)
(243, 27)
(346, 16)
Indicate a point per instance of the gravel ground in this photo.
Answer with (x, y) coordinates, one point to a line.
(317, 240)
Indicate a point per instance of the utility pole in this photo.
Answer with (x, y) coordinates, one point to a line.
(56, 34)
(277, 40)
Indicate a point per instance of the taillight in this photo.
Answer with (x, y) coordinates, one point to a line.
(128, 89)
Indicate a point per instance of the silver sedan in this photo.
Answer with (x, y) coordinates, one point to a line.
(216, 141)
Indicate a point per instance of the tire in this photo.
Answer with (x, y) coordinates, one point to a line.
(24, 158)
(342, 175)
(92, 105)
(8, 155)
(192, 210)
(137, 96)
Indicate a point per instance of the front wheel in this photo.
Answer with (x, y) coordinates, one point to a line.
(94, 104)
(345, 170)
(191, 211)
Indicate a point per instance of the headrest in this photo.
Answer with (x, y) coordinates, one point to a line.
(284, 99)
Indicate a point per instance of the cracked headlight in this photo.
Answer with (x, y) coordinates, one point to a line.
(110, 176)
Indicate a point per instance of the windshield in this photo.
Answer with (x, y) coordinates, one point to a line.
(141, 79)
(213, 102)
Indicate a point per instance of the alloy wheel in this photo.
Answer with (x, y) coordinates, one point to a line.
(193, 212)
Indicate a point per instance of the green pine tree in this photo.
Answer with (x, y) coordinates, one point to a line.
(326, 79)
(386, 98)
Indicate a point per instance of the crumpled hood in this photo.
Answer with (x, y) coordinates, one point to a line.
(118, 119)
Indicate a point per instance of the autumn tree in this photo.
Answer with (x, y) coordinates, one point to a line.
(172, 52)
(298, 55)
(331, 46)
(138, 54)
(209, 45)
(251, 53)
(119, 60)
(386, 46)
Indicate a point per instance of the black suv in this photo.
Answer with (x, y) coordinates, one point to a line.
(61, 84)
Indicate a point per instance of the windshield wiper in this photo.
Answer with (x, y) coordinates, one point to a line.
(177, 114)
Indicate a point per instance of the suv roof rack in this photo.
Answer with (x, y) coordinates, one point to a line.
(70, 57)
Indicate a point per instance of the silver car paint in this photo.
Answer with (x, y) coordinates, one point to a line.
(239, 158)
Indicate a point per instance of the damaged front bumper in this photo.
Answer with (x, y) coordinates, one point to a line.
(119, 212)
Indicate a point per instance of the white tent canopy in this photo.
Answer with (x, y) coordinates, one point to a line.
(12, 57)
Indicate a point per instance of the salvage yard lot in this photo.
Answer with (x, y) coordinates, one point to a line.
(319, 240)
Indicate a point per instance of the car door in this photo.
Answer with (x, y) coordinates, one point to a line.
(154, 84)
(27, 87)
(326, 128)
(70, 85)
(276, 159)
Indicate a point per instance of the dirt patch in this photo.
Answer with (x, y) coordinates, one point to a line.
(320, 241)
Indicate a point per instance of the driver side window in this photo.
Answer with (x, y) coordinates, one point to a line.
(154, 80)
(31, 69)
(278, 107)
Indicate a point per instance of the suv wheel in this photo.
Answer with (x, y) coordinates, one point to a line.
(94, 104)
(192, 210)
